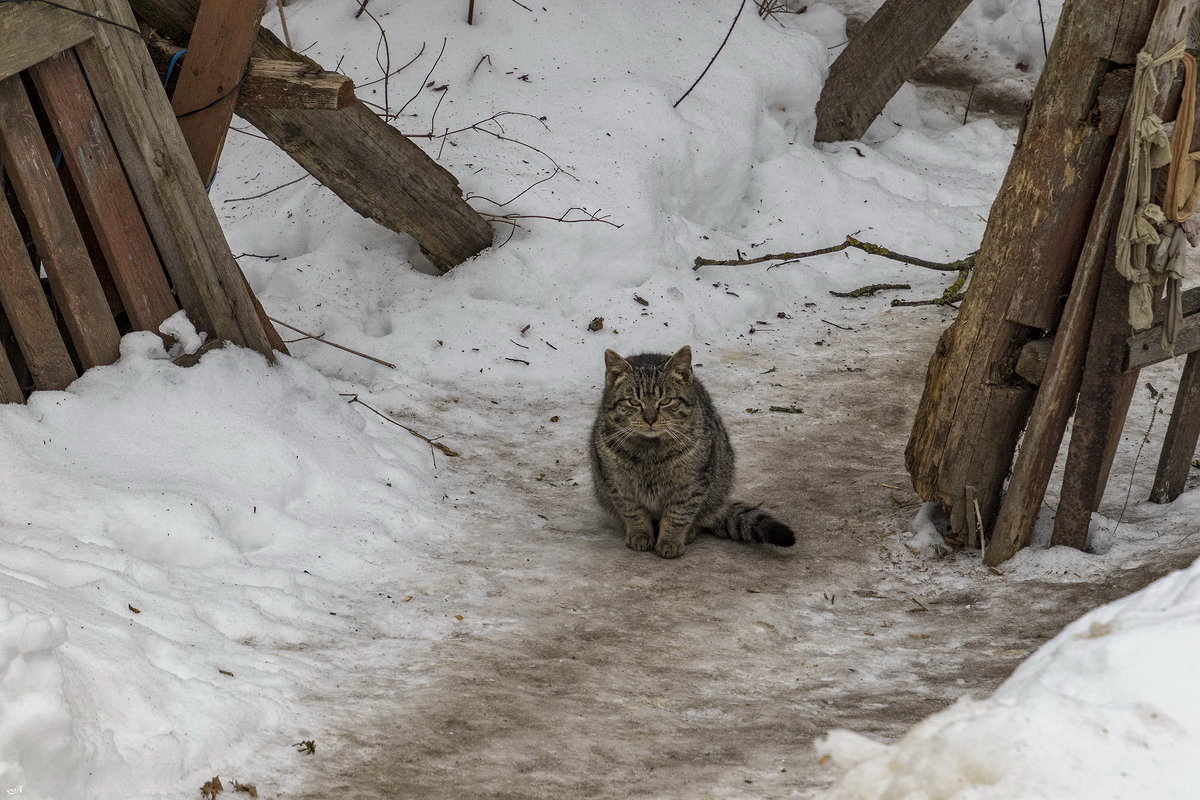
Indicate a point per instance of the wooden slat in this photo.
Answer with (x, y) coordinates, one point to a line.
(206, 278)
(375, 169)
(217, 58)
(27, 310)
(104, 190)
(73, 280)
(1146, 348)
(40, 30)
(1183, 432)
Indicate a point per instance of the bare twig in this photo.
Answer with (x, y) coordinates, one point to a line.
(471, 196)
(866, 247)
(470, 12)
(484, 57)
(287, 37)
(396, 71)
(589, 216)
(431, 442)
(870, 290)
(522, 5)
(423, 83)
(714, 56)
(320, 337)
(362, 6)
(267, 192)
(386, 63)
(1133, 470)
(495, 119)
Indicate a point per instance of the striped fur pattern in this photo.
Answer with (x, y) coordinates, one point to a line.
(661, 459)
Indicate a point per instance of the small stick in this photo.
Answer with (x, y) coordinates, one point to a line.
(362, 6)
(866, 247)
(869, 291)
(287, 37)
(470, 12)
(267, 192)
(834, 324)
(421, 436)
(320, 338)
(714, 57)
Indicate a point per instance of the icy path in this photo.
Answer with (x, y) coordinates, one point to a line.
(581, 669)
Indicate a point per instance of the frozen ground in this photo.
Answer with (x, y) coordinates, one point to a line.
(201, 567)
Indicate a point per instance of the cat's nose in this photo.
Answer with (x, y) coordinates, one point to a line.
(649, 414)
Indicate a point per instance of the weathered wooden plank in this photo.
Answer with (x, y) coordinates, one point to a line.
(1050, 177)
(73, 280)
(877, 61)
(27, 310)
(217, 59)
(1183, 432)
(163, 177)
(104, 191)
(41, 30)
(373, 167)
(1146, 347)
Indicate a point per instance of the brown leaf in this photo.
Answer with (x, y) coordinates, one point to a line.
(134, 610)
(248, 788)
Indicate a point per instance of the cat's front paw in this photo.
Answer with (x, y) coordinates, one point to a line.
(669, 548)
(639, 540)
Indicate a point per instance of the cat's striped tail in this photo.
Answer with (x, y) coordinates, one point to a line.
(749, 523)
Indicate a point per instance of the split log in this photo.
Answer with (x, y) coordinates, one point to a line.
(273, 84)
(974, 404)
(877, 61)
(374, 168)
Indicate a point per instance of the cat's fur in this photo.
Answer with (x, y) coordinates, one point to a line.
(661, 459)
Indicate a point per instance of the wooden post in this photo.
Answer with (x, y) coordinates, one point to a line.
(877, 61)
(1179, 446)
(217, 59)
(373, 167)
(974, 405)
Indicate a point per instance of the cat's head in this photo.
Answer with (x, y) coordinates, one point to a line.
(650, 395)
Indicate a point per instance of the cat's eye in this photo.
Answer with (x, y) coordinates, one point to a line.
(633, 402)
(667, 401)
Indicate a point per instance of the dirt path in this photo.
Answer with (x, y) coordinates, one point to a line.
(584, 670)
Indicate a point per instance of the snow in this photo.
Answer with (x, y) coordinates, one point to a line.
(201, 566)
(1107, 709)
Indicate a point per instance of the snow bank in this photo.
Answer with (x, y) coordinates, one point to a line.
(1109, 708)
(169, 538)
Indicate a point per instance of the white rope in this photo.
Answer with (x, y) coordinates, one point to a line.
(1141, 220)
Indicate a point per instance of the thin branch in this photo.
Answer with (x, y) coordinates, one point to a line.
(867, 247)
(287, 37)
(268, 191)
(495, 119)
(870, 290)
(394, 72)
(421, 436)
(589, 216)
(472, 196)
(714, 57)
(362, 6)
(424, 82)
(470, 12)
(320, 337)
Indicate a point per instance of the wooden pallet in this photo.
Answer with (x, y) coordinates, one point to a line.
(123, 231)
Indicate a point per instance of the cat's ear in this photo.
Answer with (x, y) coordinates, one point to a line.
(614, 366)
(680, 364)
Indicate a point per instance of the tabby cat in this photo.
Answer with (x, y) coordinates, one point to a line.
(661, 460)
